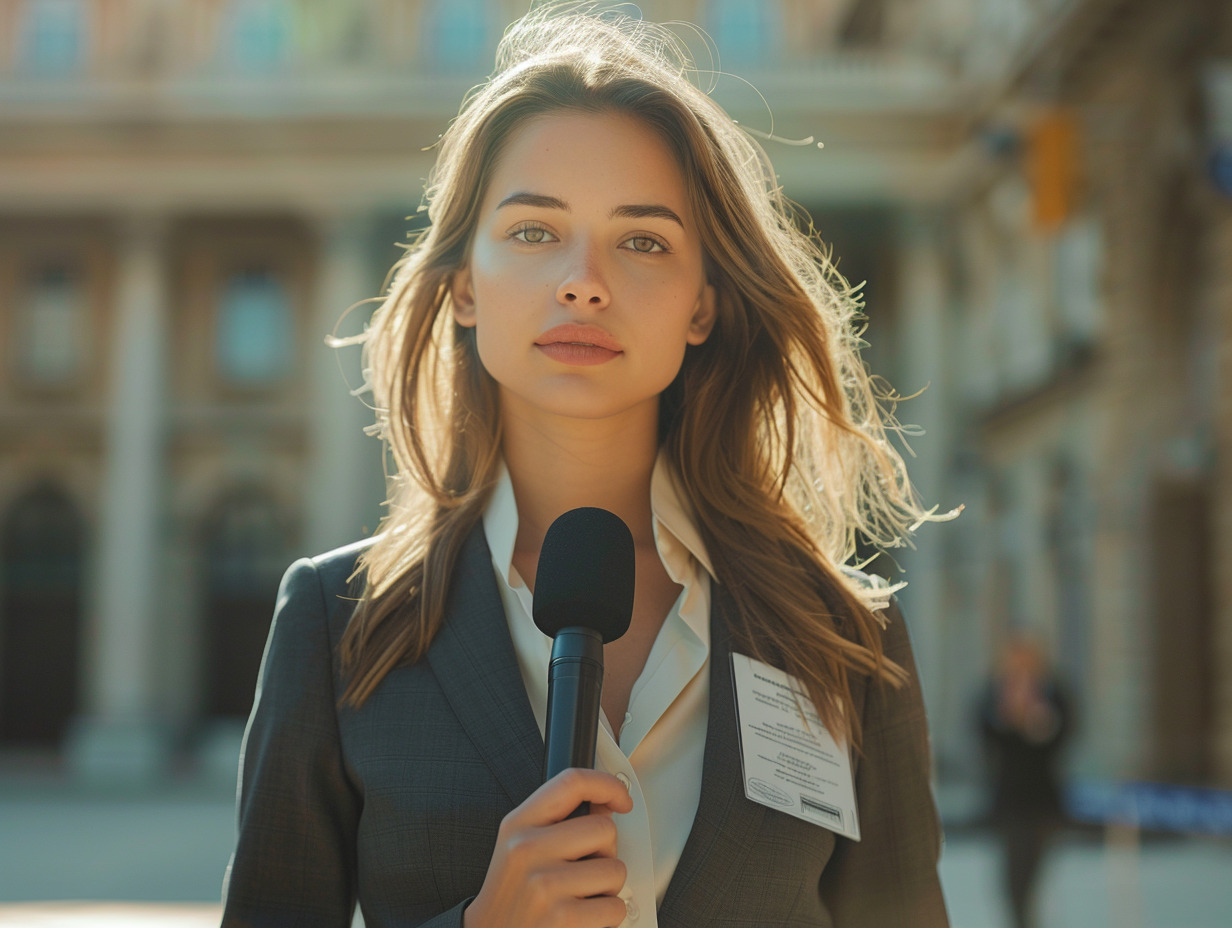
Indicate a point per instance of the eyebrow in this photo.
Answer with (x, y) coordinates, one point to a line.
(627, 211)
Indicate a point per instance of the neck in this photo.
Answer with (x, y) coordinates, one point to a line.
(557, 464)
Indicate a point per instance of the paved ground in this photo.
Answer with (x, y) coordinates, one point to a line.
(58, 843)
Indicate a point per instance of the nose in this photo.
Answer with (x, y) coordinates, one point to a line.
(583, 284)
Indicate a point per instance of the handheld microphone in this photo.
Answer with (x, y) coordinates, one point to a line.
(583, 599)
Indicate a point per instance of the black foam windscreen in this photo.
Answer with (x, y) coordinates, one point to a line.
(586, 574)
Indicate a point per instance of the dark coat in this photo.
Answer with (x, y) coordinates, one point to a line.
(397, 804)
(1024, 773)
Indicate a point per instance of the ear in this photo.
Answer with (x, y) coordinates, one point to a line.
(704, 315)
(462, 296)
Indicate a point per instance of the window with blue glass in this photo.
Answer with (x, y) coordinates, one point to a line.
(53, 36)
(457, 35)
(745, 31)
(259, 34)
(255, 333)
(53, 326)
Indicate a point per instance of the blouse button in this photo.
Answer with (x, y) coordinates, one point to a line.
(632, 910)
(624, 781)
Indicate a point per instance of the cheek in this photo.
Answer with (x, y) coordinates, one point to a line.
(502, 287)
(666, 302)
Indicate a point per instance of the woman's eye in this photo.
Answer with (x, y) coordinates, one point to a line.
(645, 245)
(532, 235)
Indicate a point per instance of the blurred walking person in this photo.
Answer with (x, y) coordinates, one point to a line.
(1024, 717)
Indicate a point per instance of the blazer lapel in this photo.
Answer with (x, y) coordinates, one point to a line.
(473, 660)
(714, 854)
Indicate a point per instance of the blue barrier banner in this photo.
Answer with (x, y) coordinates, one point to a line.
(1154, 806)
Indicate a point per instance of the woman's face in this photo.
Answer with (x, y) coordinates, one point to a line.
(585, 282)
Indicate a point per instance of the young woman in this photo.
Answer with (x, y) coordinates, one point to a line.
(613, 307)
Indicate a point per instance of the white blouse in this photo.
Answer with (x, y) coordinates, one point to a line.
(657, 751)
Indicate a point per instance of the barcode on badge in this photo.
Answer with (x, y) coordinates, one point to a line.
(821, 810)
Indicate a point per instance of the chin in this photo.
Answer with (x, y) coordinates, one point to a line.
(572, 402)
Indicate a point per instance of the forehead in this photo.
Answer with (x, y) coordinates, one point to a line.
(608, 157)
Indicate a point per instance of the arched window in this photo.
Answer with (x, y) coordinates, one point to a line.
(458, 35)
(747, 32)
(53, 37)
(258, 35)
(53, 330)
(255, 333)
(246, 548)
(41, 541)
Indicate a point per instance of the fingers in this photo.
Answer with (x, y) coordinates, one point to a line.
(602, 910)
(548, 869)
(599, 876)
(572, 839)
(599, 912)
(559, 796)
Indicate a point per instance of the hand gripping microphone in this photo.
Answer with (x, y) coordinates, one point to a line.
(583, 599)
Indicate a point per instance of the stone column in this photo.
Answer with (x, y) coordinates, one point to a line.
(345, 485)
(121, 736)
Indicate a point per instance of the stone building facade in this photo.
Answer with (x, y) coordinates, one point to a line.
(1084, 401)
(192, 193)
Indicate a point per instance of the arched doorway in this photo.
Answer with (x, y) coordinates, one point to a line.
(246, 545)
(41, 544)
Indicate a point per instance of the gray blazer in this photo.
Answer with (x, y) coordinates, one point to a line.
(397, 804)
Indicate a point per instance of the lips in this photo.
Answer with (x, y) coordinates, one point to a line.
(590, 336)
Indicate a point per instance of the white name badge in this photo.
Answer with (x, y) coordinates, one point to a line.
(790, 761)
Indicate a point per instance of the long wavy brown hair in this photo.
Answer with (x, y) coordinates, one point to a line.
(773, 429)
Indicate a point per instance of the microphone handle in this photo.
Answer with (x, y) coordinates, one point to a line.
(575, 684)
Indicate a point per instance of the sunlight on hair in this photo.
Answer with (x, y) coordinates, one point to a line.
(785, 474)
